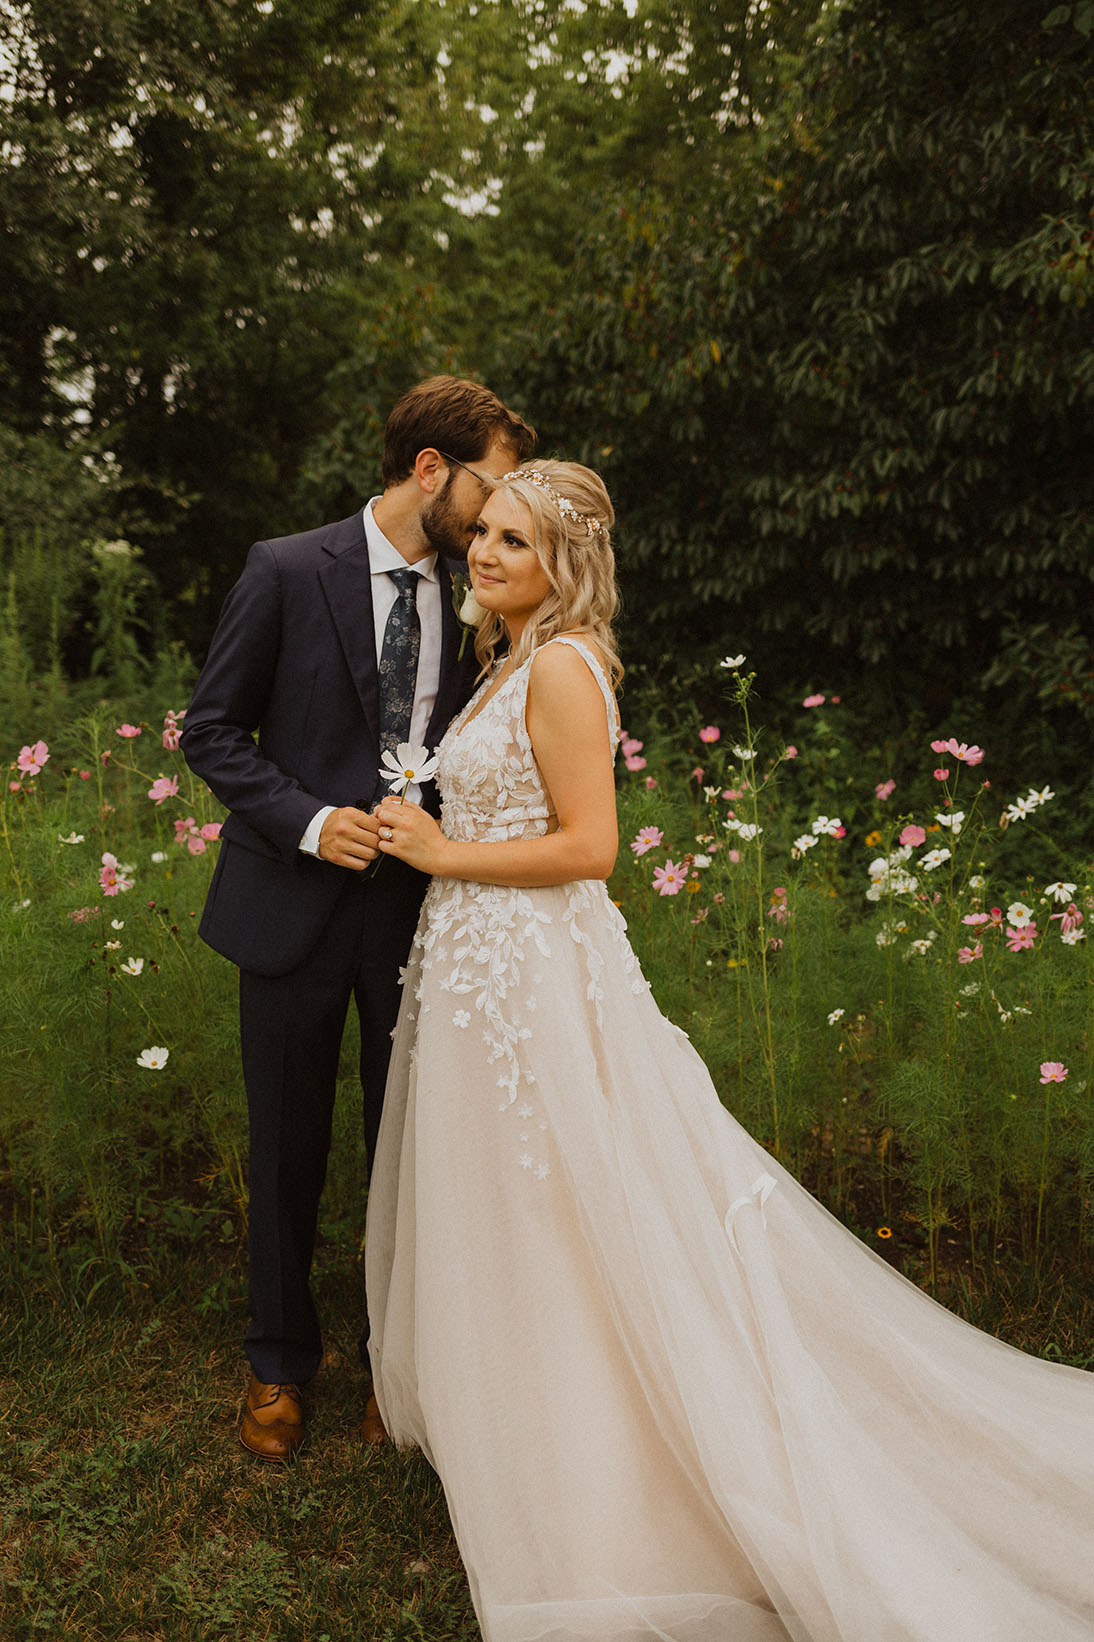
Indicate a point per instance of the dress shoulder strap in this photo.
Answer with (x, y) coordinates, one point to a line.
(601, 678)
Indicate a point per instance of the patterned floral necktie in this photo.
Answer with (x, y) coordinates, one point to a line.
(399, 662)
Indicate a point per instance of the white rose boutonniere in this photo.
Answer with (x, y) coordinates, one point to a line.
(469, 612)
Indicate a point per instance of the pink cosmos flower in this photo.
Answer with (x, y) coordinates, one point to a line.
(884, 790)
(647, 839)
(734, 856)
(813, 701)
(171, 730)
(941, 775)
(961, 750)
(32, 759)
(669, 879)
(1053, 1071)
(83, 915)
(162, 788)
(791, 752)
(710, 732)
(634, 762)
(996, 915)
(976, 918)
(1019, 940)
(629, 746)
(195, 843)
(128, 731)
(1070, 919)
(211, 831)
(913, 835)
(15, 786)
(940, 746)
(969, 954)
(650, 783)
(110, 880)
(697, 773)
(105, 758)
(85, 775)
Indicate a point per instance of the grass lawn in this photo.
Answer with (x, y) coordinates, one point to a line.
(129, 1512)
(128, 1509)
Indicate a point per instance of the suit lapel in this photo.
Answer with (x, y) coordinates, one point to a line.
(345, 577)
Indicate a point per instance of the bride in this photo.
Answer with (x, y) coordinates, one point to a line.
(668, 1395)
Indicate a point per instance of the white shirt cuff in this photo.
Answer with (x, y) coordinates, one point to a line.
(310, 841)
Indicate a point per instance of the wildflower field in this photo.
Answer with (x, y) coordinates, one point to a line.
(883, 959)
(889, 978)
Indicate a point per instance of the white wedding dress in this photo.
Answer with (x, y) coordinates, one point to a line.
(668, 1395)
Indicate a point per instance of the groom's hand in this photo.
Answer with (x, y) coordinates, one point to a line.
(349, 838)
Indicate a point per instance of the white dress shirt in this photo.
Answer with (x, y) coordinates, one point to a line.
(383, 556)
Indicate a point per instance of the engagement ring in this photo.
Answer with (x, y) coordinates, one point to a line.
(385, 832)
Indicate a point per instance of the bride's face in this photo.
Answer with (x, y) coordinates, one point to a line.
(505, 570)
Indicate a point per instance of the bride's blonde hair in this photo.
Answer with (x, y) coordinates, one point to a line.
(571, 516)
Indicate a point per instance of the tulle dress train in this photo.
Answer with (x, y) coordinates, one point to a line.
(668, 1395)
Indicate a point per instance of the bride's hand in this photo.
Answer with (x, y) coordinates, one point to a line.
(411, 833)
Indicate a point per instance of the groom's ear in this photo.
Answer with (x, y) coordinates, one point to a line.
(430, 470)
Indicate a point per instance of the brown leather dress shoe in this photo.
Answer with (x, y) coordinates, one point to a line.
(373, 1428)
(273, 1420)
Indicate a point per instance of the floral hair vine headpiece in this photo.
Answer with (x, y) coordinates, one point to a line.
(563, 503)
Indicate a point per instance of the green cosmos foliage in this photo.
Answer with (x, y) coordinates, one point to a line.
(847, 1018)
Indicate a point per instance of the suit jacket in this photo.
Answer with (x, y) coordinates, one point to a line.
(294, 658)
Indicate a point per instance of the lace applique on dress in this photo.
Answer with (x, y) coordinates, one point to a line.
(477, 937)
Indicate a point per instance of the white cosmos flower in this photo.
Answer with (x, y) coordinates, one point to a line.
(743, 752)
(1018, 914)
(407, 766)
(1072, 937)
(1044, 795)
(700, 861)
(1060, 892)
(805, 842)
(732, 661)
(829, 824)
(132, 966)
(155, 1058)
(747, 831)
(836, 1015)
(932, 859)
(1019, 809)
(951, 819)
(117, 923)
(73, 838)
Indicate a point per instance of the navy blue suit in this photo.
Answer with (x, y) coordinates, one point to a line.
(294, 659)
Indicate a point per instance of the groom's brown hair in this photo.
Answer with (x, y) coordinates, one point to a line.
(459, 418)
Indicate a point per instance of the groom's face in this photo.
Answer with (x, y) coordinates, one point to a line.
(447, 520)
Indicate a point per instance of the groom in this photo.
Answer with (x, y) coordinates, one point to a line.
(333, 646)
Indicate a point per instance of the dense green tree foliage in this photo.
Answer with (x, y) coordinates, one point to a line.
(809, 281)
(846, 399)
(197, 200)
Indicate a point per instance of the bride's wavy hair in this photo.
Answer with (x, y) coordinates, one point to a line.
(573, 544)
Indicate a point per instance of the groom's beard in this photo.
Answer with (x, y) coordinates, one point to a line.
(443, 528)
